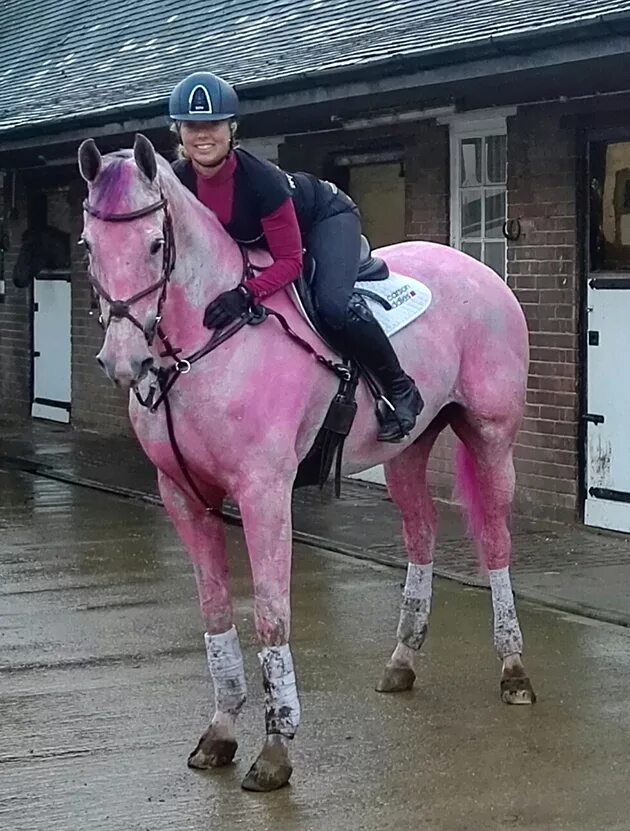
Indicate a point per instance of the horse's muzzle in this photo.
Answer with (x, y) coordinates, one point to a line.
(125, 373)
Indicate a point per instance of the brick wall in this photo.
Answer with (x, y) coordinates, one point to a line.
(15, 311)
(427, 184)
(543, 270)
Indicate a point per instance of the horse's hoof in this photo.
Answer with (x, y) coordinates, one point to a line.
(271, 771)
(517, 691)
(396, 679)
(212, 753)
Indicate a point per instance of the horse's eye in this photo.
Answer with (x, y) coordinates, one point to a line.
(156, 245)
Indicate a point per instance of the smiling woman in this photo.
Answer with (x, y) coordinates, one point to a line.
(206, 143)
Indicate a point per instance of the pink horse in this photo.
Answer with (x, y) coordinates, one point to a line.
(248, 412)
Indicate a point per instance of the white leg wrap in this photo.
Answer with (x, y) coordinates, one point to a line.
(508, 639)
(282, 705)
(416, 606)
(225, 662)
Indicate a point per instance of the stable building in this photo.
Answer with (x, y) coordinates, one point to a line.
(507, 137)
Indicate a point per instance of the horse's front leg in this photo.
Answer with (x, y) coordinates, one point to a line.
(266, 513)
(203, 536)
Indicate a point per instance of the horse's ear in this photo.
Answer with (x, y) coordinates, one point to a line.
(90, 160)
(144, 154)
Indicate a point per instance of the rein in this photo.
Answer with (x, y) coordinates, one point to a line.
(166, 377)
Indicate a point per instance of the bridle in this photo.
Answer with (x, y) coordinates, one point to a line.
(119, 309)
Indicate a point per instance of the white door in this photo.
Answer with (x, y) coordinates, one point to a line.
(52, 346)
(607, 474)
(608, 410)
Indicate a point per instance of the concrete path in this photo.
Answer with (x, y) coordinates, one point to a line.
(104, 691)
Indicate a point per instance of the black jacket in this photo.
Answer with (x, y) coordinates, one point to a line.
(260, 187)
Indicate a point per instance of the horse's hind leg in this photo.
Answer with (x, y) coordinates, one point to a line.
(486, 484)
(203, 536)
(407, 484)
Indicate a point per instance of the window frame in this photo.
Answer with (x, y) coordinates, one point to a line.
(471, 126)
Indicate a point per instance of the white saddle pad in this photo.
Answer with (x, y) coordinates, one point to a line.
(407, 297)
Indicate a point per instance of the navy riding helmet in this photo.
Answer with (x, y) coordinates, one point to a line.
(203, 96)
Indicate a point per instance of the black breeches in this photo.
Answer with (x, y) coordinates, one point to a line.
(335, 244)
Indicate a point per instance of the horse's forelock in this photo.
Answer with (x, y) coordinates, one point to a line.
(118, 184)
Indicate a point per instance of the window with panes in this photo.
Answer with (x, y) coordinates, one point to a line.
(482, 198)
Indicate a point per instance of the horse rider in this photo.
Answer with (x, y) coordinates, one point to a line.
(261, 205)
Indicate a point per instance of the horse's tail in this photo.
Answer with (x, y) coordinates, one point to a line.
(467, 491)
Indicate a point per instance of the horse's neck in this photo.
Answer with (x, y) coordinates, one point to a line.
(208, 259)
(208, 262)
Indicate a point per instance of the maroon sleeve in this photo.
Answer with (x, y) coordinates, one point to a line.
(285, 246)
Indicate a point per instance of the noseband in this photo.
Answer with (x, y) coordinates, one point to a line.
(119, 309)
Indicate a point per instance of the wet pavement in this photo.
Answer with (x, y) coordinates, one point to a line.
(568, 567)
(104, 691)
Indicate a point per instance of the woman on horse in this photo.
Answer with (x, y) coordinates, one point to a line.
(261, 205)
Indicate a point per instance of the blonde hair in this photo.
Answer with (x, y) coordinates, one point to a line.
(180, 150)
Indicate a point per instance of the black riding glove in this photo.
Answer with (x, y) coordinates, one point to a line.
(228, 306)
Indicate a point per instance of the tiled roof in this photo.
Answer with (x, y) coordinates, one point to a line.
(63, 58)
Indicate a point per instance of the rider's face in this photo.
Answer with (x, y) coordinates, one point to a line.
(206, 142)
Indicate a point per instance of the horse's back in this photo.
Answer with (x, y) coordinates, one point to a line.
(465, 293)
(445, 270)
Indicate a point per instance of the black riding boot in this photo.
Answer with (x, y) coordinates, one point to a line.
(366, 342)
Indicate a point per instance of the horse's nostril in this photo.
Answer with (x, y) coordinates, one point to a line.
(140, 368)
(100, 362)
